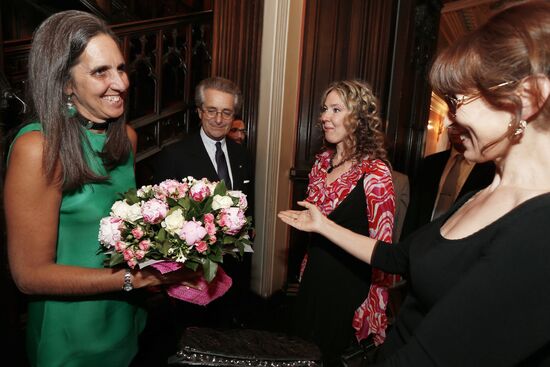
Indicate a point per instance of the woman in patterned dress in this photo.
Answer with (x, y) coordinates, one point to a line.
(351, 183)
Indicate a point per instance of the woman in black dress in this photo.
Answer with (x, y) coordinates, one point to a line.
(351, 183)
(479, 274)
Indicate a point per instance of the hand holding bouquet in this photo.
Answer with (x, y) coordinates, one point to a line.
(177, 223)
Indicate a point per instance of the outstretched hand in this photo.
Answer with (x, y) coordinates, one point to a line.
(309, 220)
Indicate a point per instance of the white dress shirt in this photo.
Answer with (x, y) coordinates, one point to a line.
(210, 145)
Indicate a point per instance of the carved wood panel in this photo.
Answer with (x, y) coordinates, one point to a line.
(166, 59)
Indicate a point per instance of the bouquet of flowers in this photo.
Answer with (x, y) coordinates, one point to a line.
(177, 223)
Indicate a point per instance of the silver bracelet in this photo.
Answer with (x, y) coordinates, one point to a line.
(127, 286)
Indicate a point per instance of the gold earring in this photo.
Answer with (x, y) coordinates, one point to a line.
(521, 127)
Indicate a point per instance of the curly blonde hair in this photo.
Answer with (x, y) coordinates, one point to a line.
(366, 137)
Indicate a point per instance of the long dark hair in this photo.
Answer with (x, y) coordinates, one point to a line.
(366, 136)
(56, 48)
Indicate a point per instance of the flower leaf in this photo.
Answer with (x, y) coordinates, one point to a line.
(171, 202)
(210, 268)
(193, 265)
(161, 235)
(185, 203)
(131, 196)
(115, 259)
(220, 189)
(216, 254)
(207, 207)
(227, 240)
(165, 248)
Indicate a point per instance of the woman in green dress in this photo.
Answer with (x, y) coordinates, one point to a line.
(64, 172)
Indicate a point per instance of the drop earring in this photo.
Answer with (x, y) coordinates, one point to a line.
(71, 109)
(521, 127)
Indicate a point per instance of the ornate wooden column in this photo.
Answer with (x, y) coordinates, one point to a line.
(409, 99)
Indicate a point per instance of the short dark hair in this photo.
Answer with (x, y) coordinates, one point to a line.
(222, 85)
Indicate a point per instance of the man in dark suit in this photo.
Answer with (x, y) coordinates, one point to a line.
(218, 100)
(434, 170)
(208, 154)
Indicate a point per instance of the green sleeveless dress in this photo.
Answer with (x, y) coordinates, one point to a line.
(85, 331)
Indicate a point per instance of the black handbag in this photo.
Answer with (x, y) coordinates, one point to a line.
(243, 347)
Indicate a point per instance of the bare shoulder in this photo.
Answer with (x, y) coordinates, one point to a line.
(132, 135)
(27, 148)
(26, 181)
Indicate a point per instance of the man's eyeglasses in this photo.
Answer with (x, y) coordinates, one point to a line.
(455, 103)
(212, 113)
(236, 129)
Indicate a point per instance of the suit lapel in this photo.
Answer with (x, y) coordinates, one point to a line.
(201, 160)
(236, 165)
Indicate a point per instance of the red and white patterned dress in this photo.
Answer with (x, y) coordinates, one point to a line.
(370, 317)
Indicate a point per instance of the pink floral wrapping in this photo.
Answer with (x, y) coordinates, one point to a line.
(370, 317)
(206, 292)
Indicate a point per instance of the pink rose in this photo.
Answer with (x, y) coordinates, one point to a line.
(232, 220)
(137, 232)
(120, 246)
(144, 245)
(172, 188)
(154, 211)
(199, 191)
(140, 254)
(208, 218)
(243, 203)
(192, 232)
(201, 246)
(209, 224)
(132, 262)
(212, 239)
(128, 254)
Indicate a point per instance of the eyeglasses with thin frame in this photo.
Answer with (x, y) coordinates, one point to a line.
(212, 113)
(455, 103)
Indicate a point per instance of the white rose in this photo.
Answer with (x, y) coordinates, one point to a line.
(212, 186)
(173, 222)
(129, 213)
(144, 191)
(243, 203)
(134, 214)
(221, 202)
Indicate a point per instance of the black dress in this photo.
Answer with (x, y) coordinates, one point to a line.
(482, 300)
(334, 283)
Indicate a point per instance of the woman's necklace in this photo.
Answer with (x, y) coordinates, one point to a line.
(90, 125)
(332, 166)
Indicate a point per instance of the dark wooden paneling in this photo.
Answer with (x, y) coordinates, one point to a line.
(409, 102)
(237, 53)
(343, 39)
